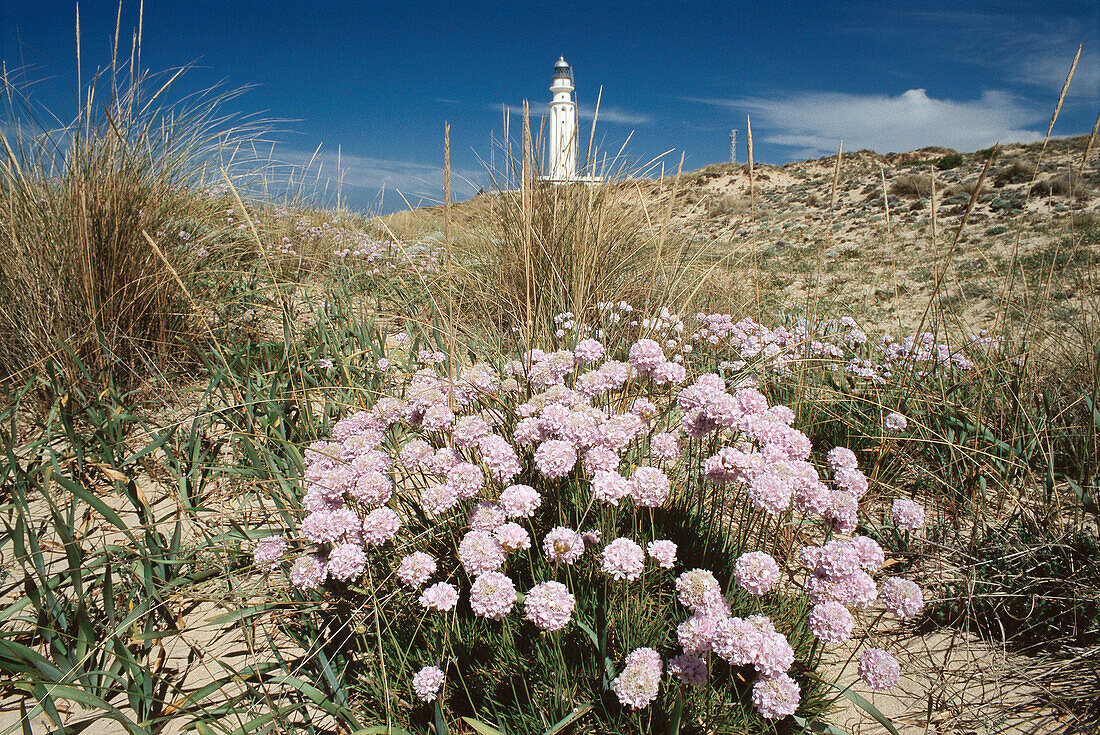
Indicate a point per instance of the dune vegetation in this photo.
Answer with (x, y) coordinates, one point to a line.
(747, 449)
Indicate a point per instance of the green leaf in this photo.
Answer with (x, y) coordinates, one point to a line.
(382, 730)
(63, 691)
(817, 726)
(481, 727)
(569, 719)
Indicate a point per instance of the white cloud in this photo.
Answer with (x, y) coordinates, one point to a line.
(816, 122)
(417, 181)
(1044, 67)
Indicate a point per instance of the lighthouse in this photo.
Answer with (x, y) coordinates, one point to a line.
(563, 125)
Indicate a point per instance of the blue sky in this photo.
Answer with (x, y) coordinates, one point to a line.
(378, 80)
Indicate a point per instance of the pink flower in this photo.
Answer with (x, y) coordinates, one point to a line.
(555, 458)
(269, 551)
(775, 697)
(878, 669)
(665, 447)
(346, 562)
(520, 501)
(774, 655)
(480, 552)
(841, 457)
(871, 555)
(499, 457)
(669, 372)
(492, 595)
(902, 597)
(513, 537)
(416, 569)
(486, 517)
(906, 514)
(588, 350)
(831, 622)
(438, 499)
(698, 590)
(380, 526)
(610, 487)
(639, 683)
(427, 682)
(372, 488)
(440, 596)
(549, 606)
(649, 487)
(646, 355)
(309, 572)
(467, 480)
(692, 670)
(622, 559)
(756, 572)
(563, 545)
(663, 552)
(600, 459)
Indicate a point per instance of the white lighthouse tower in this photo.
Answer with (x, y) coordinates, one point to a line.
(563, 125)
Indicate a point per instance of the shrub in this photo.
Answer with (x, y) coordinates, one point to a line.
(535, 545)
(911, 186)
(948, 161)
(81, 286)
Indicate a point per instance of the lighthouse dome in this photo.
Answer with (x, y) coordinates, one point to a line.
(562, 70)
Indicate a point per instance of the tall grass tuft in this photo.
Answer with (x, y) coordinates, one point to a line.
(74, 201)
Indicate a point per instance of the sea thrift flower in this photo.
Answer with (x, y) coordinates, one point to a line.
(610, 487)
(669, 372)
(269, 551)
(346, 562)
(469, 430)
(309, 572)
(513, 537)
(841, 458)
(692, 670)
(427, 682)
(649, 487)
(663, 552)
(438, 499)
(902, 597)
(906, 514)
(492, 595)
(831, 622)
(486, 517)
(775, 697)
(639, 683)
(588, 350)
(520, 501)
(851, 480)
(563, 545)
(871, 555)
(416, 569)
(622, 559)
(843, 512)
(646, 355)
(895, 422)
(555, 458)
(440, 596)
(467, 480)
(770, 492)
(698, 590)
(665, 447)
(499, 457)
(380, 526)
(600, 459)
(480, 552)
(756, 572)
(549, 606)
(775, 654)
(372, 488)
(878, 669)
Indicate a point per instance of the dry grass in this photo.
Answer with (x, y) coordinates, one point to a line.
(80, 285)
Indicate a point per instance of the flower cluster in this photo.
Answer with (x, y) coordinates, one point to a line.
(488, 495)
